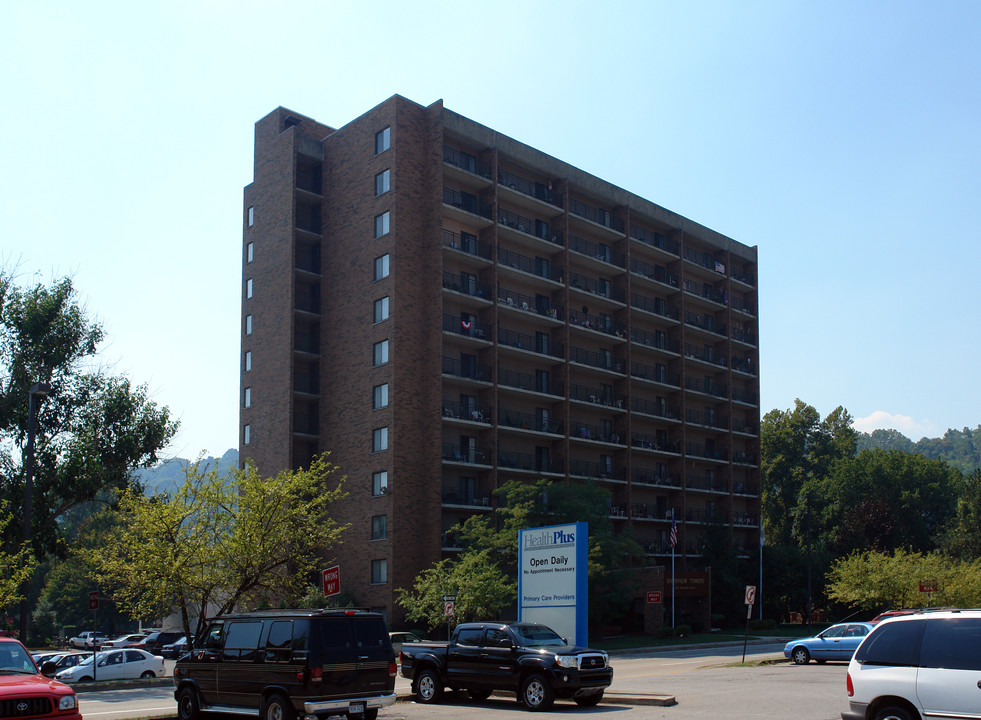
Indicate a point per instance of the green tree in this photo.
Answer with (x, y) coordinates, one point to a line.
(93, 430)
(15, 567)
(962, 539)
(220, 541)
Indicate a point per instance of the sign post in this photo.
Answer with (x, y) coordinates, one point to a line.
(750, 599)
(449, 610)
(332, 581)
(94, 607)
(553, 579)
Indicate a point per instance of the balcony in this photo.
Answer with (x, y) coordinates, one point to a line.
(706, 292)
(705, 260)
(660, 478)
(528, 421)
(654, 239)
(465, 454)
(468, 412)
(466, 285)
(741, 457)
(650, 442)
(307, 341)
(705, 355)
(743, 365)
(531, 383)
(706, 386)
(705, 322)
(467, 243)
(513, 460)
(744, 336)
(593, 286)
(597, 216)
(596, 251)
(466, 162)
(537, 344)
(654, 408)
(538, 267)
(706, 419)
(596, 471)
(466, 207)
(601, 360)
(655, 273)
(306, 258)
(741, 426)
(453, 497)
(706, 452)
(655, 374)
(653, 305)
(598, 323)
(519, 301)
(542, 192)
(597, 396)
(654, 340)
(539, 229)
(595, 433)
(705, 483)
(467, 370)
(306, 382)
(745, 397)
(467, 328)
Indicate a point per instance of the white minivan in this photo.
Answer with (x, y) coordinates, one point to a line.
(923, 665)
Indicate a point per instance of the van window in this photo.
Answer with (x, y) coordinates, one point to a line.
(896, 643)
(952, 644)
(279, 642)
(242, 641)
(212, 640)
(335, 633)
(370, 633)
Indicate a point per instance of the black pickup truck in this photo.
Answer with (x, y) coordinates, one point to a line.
(529, 659)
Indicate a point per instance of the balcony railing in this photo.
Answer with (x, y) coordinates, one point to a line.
(741, 457)
(706, 291)
(651, 442)
(645, 476)
(467, 411)
(603, 361)
(465, 454)
(472, 371)
(536, 266)
(467, 202)
(524, 341)
(602, 323)
(653, 339)
(474, 499)
(596, 215)
(603, 471)
(527, 421)
(520, 301)
(744, 396)
(604, 288)
(595, 395)
(527, 461)
(467, 328)
(466, 161)
(537, 190)
(306, 382)
(655, 373)
(706, 385)
(306, 423)
(741, 488)
(307, 341)
(705, 260)
(741, 426)
(524, 381)
(658, 273)
(538, 228)
(657, 408)
(584, 431)
(705, 419)
(599, 251)
(655, 305)
(695, 481)
(468, 243)
(743, 364)
(307, 258)
(697, 450)
(700, 352)
(744, 336)
(468, 285)
(654, 239)
(705, 322)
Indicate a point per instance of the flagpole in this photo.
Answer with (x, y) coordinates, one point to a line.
(674, 541)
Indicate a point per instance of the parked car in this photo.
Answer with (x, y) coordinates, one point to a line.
(155, 641)
(527, 658)
(289, 664)
(398, 638)
(121, 664)
(24, 691)
(133, 640)
(176, 648)
(85, 640)
(838, 642)
(41, 658)
(69, 659)
(924, 664)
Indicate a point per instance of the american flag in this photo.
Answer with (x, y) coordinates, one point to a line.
(673, 538)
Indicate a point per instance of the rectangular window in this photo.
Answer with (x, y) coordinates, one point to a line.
(381, 309)
(379, 483)
(382, 224)
(249, 252)
(379, 439)
(251, 216)
(382, 267)
(383, 140)
(380, 353)
(380, 396)
(379, 527)
(248, 288)
(248, 397)
(379, 572)
(383, 182)
(248, 324)
(247, 434)
(248, 360)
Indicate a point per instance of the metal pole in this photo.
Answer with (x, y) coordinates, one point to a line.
(28, 508)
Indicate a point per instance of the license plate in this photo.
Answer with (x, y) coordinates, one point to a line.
(356, 708)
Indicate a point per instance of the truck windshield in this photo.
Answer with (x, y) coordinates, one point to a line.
(537, 635)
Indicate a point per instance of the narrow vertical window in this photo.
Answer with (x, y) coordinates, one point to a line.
(379, 527)
(248, 252)
(382, 224)
(248, 288)
(383, 182)
(379, 440)
(248, 360)
(379, 572)
(380, 396)
(247, 434)
(381, 309)
(383, 140)
(379, 483)
(248, 324)
(251, 216)
(381, 352)
(248, 397)
(382, 267)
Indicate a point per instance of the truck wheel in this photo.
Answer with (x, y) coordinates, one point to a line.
(429, 688)
(536, 693)
(277, 707)
(589, 700)
(188, 707)
(479, 694)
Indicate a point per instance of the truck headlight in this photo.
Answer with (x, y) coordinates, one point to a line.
(566, 661)
(67, 703)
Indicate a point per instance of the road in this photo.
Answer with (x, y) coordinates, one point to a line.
(704, 682)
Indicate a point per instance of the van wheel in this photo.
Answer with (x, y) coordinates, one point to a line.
(893, 713)
(536, 693)
(188, 707)
(429, 688)
(479, 694)
(277, 707)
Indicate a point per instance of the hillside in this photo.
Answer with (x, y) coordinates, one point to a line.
(960, 448)
(166, 476)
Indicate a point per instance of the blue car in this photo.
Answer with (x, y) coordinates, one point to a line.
(838, 642)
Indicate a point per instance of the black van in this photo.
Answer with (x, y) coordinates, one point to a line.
(289, 665)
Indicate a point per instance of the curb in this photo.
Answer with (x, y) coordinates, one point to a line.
(87, 687)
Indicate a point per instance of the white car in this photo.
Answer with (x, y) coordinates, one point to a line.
(124, 641)
(83, 641)
(916, 666)
(115, 665)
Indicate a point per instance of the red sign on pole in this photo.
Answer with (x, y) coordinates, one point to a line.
(332, 581)
(929, 587)
(654, 597)
(94, 600)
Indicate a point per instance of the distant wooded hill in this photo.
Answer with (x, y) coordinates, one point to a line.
(960, 448)
(166, 476)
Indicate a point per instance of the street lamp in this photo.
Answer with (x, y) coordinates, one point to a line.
(39, 391)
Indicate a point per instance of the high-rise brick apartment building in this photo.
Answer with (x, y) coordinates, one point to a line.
(445, 309)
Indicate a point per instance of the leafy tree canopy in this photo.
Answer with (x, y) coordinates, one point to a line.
(960, 448)
(15, 567)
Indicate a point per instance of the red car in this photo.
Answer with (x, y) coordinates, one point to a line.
(27, 692)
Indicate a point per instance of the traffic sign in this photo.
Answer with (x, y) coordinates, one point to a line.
(750, 594)
(94, 600)
(654, 596)
(449, 598)
(332, 581)
(929, 587)
(448, 608)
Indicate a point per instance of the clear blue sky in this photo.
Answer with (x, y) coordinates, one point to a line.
(842, 138)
